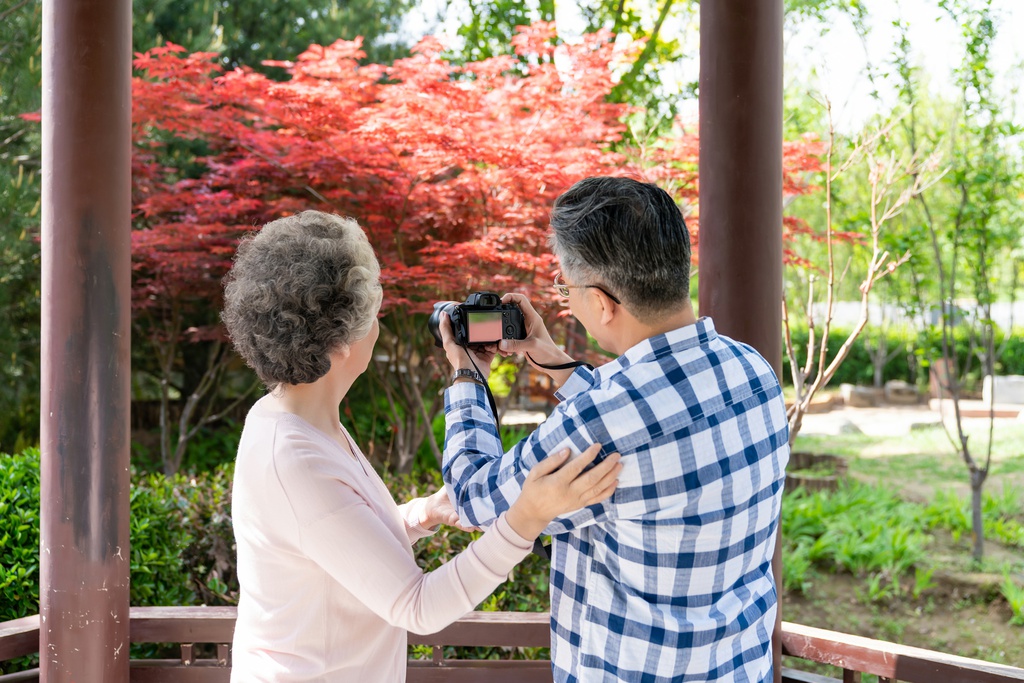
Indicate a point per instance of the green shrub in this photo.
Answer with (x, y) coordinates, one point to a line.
(19, 534)
(158, 538)
(158, 532)
(209, 557)
(860, 529)
(366, 413)
(182, 547)
(1011, 360)
(1001, 515)
(798, 569)
(1014, 595)
(857, 368)
(213, 447)
(928, 347)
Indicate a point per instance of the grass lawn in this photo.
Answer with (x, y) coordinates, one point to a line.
(924, 461)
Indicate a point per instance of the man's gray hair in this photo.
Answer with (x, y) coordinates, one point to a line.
(628, 237)
(301, 288)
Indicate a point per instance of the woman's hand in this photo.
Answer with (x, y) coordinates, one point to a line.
(556, 486)
(437, 509)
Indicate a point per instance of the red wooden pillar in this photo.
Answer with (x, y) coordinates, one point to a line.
(740, 283)
(86, 288)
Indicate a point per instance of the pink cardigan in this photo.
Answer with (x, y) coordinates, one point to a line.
(329, 585)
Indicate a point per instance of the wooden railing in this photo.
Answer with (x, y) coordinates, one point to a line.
(191, 627)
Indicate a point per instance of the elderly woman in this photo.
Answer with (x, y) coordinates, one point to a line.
(329, 586)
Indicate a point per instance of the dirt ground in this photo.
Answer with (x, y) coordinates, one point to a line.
(960, 615)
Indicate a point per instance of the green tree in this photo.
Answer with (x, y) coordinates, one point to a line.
(20, 92)
(247, 33)
(490, 25)
(668, 30)
(971, 228)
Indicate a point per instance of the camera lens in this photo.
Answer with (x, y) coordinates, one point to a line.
(434, 321)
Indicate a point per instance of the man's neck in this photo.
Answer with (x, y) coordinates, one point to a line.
(635, 331)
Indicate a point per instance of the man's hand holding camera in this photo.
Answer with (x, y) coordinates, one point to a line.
(469, 332)
(472, 333)
(538, 347)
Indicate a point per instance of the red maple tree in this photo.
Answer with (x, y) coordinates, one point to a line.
(451, 170)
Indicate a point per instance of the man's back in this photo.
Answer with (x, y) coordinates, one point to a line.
(670, 579)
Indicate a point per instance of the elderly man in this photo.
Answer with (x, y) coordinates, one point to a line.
(670, 579)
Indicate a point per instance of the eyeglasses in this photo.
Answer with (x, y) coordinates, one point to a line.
(563, 289)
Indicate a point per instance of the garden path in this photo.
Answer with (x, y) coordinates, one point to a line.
(893, 420)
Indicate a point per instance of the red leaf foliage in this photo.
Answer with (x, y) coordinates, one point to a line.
(450, 169)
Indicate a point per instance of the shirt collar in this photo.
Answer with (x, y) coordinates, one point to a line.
(674, 341)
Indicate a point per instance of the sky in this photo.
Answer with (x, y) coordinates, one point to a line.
(834, 65)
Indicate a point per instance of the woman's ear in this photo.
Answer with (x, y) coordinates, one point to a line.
(341, 354)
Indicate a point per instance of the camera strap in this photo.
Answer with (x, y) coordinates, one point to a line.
(487, 388)
(563, 366)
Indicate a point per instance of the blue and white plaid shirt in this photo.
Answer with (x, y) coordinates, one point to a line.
(670, 579)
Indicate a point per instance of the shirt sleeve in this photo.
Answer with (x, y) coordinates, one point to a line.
(357, 549)
(341, 532)
(579, 381)
(484, 480)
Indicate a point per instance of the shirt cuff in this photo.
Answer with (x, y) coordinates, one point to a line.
(581, 379)
(412, 516)
(465, 394)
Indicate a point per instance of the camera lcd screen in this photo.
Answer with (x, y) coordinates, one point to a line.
(484, 326)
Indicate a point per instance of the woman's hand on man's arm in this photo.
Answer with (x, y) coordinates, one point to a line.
(437, 509)
(556, 486)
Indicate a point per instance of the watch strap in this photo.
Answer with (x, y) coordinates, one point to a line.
(468, 373)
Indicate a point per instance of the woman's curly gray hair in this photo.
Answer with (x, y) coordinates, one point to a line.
(300, 289)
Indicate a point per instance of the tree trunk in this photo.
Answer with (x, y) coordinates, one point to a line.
(977, 523)
(878, 359)
(795, 423)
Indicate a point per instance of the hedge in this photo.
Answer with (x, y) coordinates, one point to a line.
(919, 349)
(181, 542)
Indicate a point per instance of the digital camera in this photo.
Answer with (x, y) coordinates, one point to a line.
(482, 319)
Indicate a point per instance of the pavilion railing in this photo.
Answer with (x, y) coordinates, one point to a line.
(203, 635)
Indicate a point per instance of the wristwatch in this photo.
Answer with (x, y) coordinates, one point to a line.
(469, 373)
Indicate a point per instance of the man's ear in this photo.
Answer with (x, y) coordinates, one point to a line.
(609, 309)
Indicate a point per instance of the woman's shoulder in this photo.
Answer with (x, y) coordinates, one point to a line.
(312, 473)
(289, 444)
